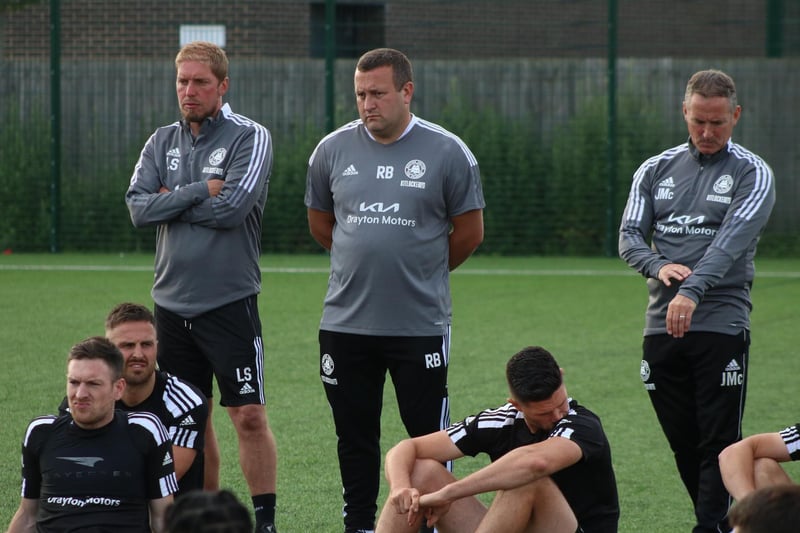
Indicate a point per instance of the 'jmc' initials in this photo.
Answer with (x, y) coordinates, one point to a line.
(731, 379)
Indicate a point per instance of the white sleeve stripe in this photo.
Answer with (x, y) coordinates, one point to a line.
(473, 161)
(346, 127)
(151, 423)
(791, 439)
(39, 421)
(183, 438)
(637, 202)
(168, 485)
(180, 398)
(762, 186)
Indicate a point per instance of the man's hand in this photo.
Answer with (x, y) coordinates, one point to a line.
(406, 501)
(673, 271)
(214, 186)
(679, 315)
(435, 505)
(680, 309)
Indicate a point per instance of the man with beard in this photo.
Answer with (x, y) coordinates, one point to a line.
(179, 405)
(203, 182)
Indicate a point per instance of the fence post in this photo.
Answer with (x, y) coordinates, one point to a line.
(611, 186)
(55, 125)
(330, 64)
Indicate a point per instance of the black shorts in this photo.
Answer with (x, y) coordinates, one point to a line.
(224, 342)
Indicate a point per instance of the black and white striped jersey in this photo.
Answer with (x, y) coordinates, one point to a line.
(183, 410)
(589, 485)
(99, 479)
(791, 437)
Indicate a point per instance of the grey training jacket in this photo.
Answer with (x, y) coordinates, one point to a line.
(705, 212)
(207, 249)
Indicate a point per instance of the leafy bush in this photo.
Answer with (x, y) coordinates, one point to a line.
(25, 181)
(545, 196)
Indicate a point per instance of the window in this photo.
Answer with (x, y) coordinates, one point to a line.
(214, 33)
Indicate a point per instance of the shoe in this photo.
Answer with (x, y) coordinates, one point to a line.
(266, 528)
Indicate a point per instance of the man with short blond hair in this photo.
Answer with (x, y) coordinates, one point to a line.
(203, 182)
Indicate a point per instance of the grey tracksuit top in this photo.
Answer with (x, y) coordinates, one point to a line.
(208, 248)
(393, 205)
(705, 212)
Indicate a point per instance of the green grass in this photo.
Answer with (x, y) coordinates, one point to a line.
(588, 312)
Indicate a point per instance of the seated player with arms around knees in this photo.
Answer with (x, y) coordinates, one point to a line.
(551, 465)
(180, 406)
(95, 469)
(753, 462)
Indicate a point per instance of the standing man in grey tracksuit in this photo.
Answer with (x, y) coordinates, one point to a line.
(398, 202)
(203, 182)
(703, 204)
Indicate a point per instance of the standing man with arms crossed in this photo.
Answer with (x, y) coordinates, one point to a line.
(203, 181)
(398, 202)
(95, 469)
(704, 205)
(179, 405)
(551, 464)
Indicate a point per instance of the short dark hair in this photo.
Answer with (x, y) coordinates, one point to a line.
(128, 312)
(774, 509)
(200, 511)
(402, 72)
(533, 374)
(711, 83)
(99, 348)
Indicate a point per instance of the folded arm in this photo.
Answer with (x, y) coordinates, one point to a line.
(737, 462)
(516, 468)
(465, 237)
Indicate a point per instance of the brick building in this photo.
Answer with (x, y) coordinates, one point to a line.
(425, 29)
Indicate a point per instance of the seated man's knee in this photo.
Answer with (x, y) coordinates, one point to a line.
(429, 475)
(542, 490)
(768, 472)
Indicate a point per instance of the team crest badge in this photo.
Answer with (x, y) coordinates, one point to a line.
(723, 184)
(327, 364)
(415, 169)
(217, 156)
(644, 370)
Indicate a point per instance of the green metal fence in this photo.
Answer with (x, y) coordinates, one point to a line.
(559, 100)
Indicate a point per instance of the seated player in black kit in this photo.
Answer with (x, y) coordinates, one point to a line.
(95, 469)
(551, 465)
(180, 406)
